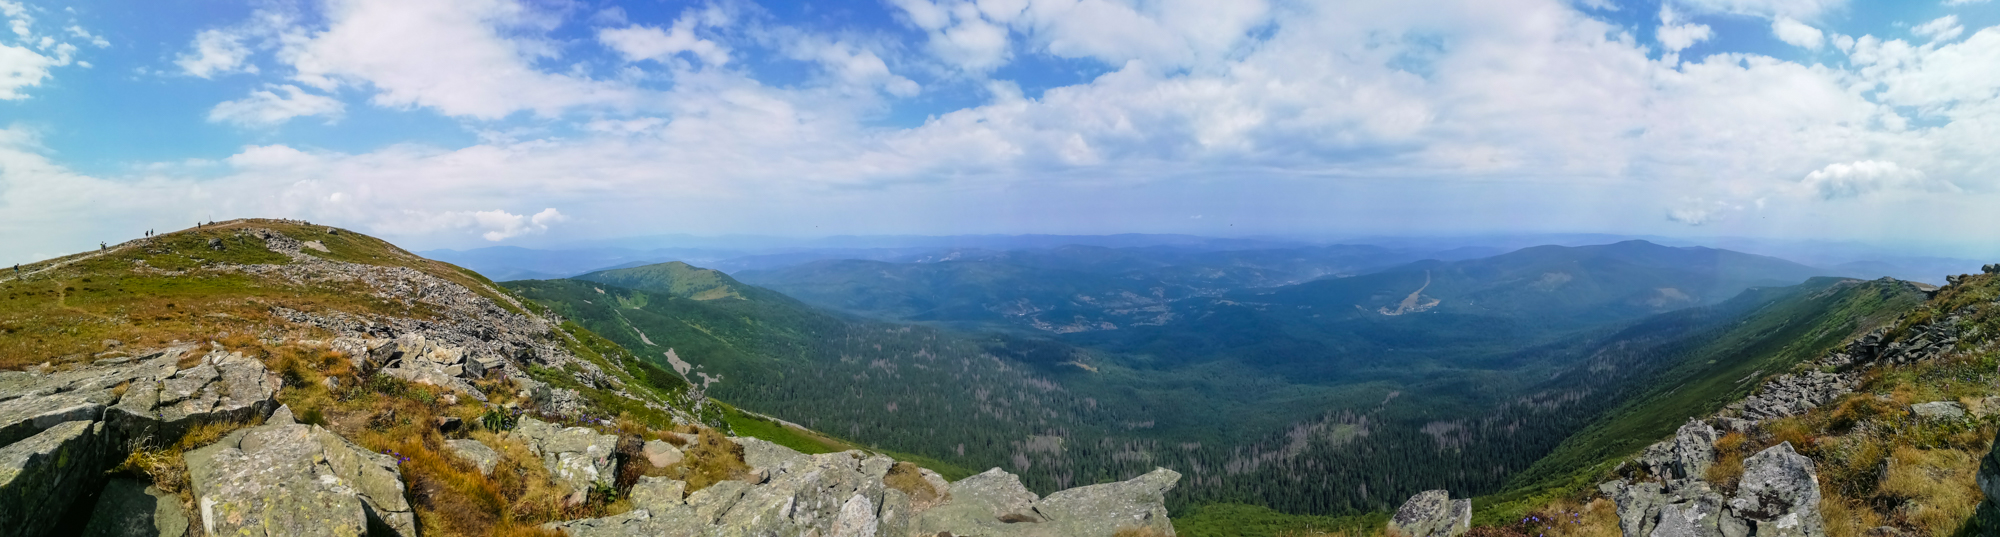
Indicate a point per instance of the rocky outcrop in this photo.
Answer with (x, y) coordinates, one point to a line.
(576, 456)
(1794, 394)
(1837, 373)
(414, 358)
(1778, 496)
(1432, 513)
(845, 494)
(294, 479)
(60, 430)
(42, 474)
(222, 387)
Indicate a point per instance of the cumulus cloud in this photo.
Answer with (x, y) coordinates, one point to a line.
(266, 108)
(640, 42)
(1524, 104)
(1799, 9)
(1797, 33)
(1943, 29)
(455, 56)
(1855, 179)
(980, 36)
(497, 225)
(216, 52)
(21, 68)
(30, 61)
(1676, 36)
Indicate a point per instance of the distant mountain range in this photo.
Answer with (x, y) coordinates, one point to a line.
(735, 254)
(1249, 367)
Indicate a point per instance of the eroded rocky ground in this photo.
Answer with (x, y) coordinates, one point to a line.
(339, 386)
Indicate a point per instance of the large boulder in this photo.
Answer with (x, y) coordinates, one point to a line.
(845, 495)
(577, 456)
(293, 479)
(1779, 495)
(1639, 505)
(131, 508)
(1432, 513)
(41, 475)
(810, 495)
(991, 502)
(1104, 509)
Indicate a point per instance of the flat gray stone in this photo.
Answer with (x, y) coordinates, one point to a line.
(662, 454)
(475, 452)
(282, 480)
(1939, 410)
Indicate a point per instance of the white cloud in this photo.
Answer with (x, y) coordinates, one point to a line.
(640, 42)
(96, 40)
(1943, 29)
(1849, 180)
(850, 66)
(1797, 33)
(500, 225)
(1798, 9)
(1677, 37)
(978, 36)
(449, 55)
(21, 68)
(266, 108)
(1963, 2)
(216, 52)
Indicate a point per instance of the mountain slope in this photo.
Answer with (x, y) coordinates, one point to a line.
(1307, 437)
(677, 279)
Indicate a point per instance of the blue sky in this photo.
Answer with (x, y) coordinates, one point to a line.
(463, 123)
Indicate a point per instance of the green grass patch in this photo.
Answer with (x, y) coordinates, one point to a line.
(1239, 520)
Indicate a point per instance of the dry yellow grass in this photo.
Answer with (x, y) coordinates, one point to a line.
(1934, 490)
(711, 458)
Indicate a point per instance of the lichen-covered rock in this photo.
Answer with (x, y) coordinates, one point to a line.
(479, 454)
(282, 480)
(1138, 503)
(41, 475)
(1432, 513)
(1779, 495)
(1701, 517)
(988, 503)
(1639, 505)
(844, 495)
(807, 495)
(576, 456)
(662, 454)
(658, 493)
(131, 508)
(1939, 410)
(222, 387)
(1687, 455)
(762, 454)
